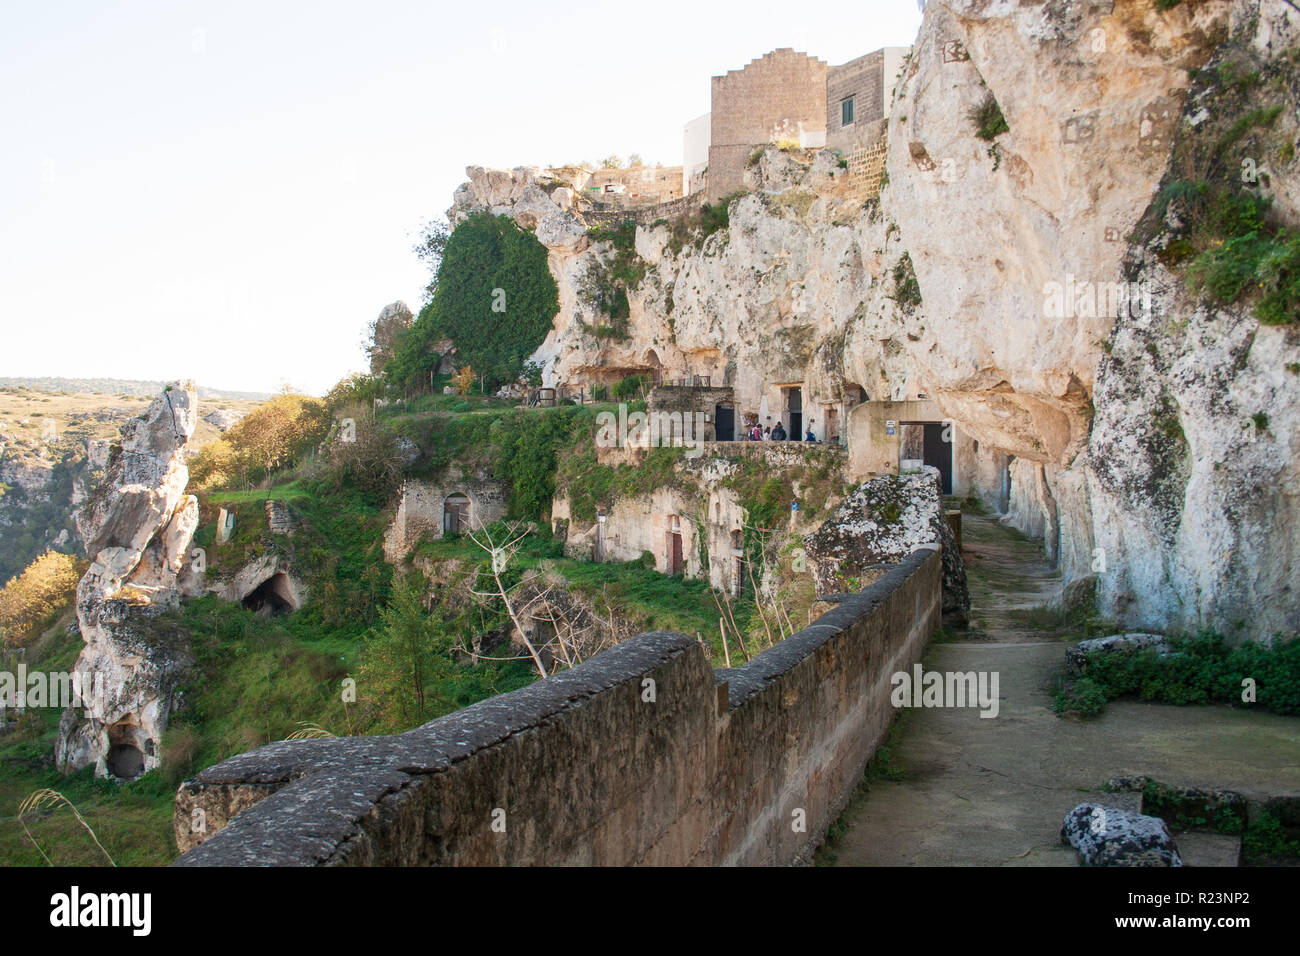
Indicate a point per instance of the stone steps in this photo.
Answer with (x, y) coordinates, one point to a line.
(1208, 849)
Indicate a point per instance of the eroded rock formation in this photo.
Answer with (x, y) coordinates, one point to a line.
(881, 522)
(1015, 279)
(137, 529)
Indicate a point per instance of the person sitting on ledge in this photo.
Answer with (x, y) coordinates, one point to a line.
(810, 436)
(778, 433)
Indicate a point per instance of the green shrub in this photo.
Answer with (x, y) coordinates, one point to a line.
(1083, 696)
(988, 119)
(907, 291)
(1266, 840)
(1203, 670)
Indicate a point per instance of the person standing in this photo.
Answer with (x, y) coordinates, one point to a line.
(778, 433)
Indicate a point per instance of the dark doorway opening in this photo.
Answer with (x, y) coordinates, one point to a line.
(272, 596)
(938, 452)
(673, 549)
(455, 514)
(724, 423)
(794, 410)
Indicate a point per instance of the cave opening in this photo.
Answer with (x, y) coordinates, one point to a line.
(125, 761)
(273, 596)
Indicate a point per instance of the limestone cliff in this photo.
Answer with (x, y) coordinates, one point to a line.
(1146, 437)
(137, 529)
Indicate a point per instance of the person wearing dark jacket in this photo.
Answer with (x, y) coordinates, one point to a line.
(778, 433)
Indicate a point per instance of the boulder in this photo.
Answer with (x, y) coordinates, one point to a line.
(562, 232)
(882, 521)
(533, 206)
(1076, 658)
(1109, 836)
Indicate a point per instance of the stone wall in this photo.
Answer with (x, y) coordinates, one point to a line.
(781, 95)
(642, 755)
(641, 185)
(420, 508)
(862, 79)
(646, 215)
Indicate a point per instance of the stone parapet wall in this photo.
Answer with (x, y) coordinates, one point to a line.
(642, 755)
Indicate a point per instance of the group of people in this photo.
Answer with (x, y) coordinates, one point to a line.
(776, 434)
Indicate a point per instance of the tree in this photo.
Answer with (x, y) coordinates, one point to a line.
(433, 242)
(495, 299)
(611, 162)
(500, 550)
(280, 432)
(463, 381)
(31, 599)
(634, 161)
(407, 661)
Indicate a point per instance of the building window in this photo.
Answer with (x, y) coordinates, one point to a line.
(846, 112)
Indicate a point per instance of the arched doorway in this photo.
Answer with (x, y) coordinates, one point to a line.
(455, 514)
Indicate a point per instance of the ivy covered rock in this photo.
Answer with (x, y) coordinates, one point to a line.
(880, 523)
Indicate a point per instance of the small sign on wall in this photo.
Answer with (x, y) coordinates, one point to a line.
(890, 427)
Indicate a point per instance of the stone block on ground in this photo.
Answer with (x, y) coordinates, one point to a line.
(1109, 836)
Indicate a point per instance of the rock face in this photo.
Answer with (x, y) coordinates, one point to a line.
(222, 418)
(137, 529)
(881, 522)
(1147, 439)
(1136, 456)
(391, 321)
(1108, 836)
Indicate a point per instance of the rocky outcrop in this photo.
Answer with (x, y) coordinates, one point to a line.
(393, 319)
(1193, 465)
(137, 529)
(881, 522)
(223, 418)
(1109, 836)
(1148, 440)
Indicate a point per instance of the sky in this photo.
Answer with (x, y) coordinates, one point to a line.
(230, 191)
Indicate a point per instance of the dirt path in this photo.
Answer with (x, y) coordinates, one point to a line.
(993, 791)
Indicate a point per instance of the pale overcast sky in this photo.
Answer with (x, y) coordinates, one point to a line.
(229, 191)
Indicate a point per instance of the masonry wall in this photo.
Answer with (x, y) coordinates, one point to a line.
(862, 79)
(781, 95)
(641, 755)
(420, 508)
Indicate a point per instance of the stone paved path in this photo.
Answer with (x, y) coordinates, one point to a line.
(993, 791)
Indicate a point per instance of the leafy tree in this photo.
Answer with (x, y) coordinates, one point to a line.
(432, 244)
(494, 298)
(29, 601)
(611, 162)
(407, 662)
(280, 432)
(357, 389)
(463, 381)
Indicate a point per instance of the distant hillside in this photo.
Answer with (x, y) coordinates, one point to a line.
(121, 386)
